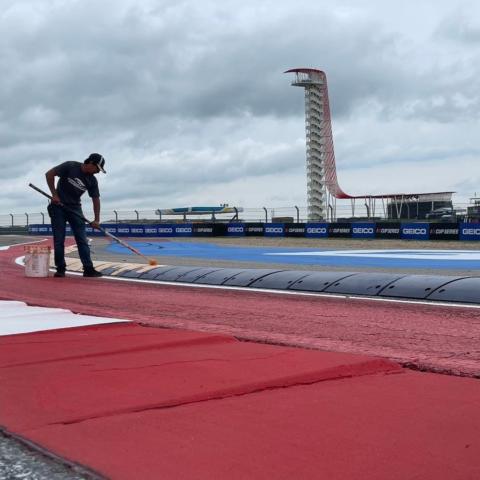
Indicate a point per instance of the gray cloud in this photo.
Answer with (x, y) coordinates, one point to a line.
(184, 97)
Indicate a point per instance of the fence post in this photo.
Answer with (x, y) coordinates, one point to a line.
(12, 218)
(136, 211)
(116, 216)
(298, 214)
(159, 214)
(26, 214)
(43, 218)
(368, 210)
(266, 215)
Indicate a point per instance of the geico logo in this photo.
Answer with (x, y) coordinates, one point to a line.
(274, 230)
(235, 229)
(43, 229)
(414, 231)
(362, 230)
(184, 230)
(316, 230)
(150, 230)
(471, 231)
(165, 230)
(123, 230)
(137, 230)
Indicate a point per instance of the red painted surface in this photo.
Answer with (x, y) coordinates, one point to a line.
(429, 337)
(135, 402)
(77, 373)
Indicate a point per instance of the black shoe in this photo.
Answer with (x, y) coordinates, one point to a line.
(91, 272)
(59, 273)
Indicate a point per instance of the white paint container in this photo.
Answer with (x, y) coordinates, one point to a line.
(37, 260)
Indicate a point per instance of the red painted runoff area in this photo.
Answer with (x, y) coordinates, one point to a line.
(128, 400)
(430, 337)
(138, 402)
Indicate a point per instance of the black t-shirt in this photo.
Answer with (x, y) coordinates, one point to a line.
(73, 183)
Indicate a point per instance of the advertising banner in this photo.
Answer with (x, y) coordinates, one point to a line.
(340, 230)
(415, 231)
(165, 230)
(41, 229)
(363, 230)
(388, 230)
(316, 230)
(202, 230)
(295, 229)
(236, 229)
(444, 231)
(254, 229)
(219, 229)
(274, 230)
(183, 230)
(470, 231)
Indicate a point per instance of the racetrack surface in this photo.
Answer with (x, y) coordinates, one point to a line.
(426, 337)
(179, 392)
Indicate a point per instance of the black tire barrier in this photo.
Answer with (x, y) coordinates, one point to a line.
(385, 285)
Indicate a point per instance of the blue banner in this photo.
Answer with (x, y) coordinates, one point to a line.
(183, 230)
(470, 231)
(274, 230)
(415, 231)
(363, 230)
(316, 230)
(236, 229)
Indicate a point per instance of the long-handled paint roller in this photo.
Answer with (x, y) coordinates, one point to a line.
(108, 234)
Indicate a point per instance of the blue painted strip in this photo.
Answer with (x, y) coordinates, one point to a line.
(420, 259)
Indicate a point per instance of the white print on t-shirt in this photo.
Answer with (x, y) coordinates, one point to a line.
(77, 183)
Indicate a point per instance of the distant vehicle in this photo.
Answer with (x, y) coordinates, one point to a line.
(444, 213)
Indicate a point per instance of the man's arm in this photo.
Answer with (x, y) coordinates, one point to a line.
(96, 212)
(50, 176)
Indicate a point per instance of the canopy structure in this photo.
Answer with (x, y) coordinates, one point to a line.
(194, 211)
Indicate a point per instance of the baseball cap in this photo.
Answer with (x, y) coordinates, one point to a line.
(97, 160)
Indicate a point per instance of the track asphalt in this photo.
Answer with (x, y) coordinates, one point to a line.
(192, 399)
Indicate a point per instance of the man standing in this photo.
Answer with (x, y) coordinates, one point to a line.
(75, 179)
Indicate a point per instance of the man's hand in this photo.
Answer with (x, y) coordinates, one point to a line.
(95, 224)
(56, 199)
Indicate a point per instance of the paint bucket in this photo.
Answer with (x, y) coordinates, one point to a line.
(37, 260)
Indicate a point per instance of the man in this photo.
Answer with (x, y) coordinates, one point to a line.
(75, 179)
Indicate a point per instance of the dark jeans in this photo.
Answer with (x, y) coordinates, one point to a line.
(59, 218)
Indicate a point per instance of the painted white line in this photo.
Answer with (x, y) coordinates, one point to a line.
(278, 292)
(18, 317)
(457, 255)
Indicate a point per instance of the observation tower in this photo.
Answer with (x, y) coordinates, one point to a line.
(321, 173)
(323, 188)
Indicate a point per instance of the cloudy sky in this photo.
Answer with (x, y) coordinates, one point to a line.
(188, 102)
